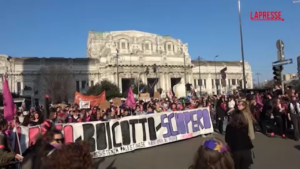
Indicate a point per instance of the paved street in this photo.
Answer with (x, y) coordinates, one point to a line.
(273, 153)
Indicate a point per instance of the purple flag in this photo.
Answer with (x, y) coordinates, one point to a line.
(130, 102)
(8, 102)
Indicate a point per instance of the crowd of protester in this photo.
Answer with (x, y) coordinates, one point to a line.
(270, 112)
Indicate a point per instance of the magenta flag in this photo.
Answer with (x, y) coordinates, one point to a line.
(8, 102)
(258, 101)
(130, 102)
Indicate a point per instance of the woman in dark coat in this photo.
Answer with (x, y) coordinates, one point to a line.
(221, 110)
(239, 141)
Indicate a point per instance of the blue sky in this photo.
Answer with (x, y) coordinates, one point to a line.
(59, 28)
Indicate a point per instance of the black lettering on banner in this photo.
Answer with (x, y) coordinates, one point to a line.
(101, 136)
(88, 135)
(152, 131)
(133, 122)
(114, 134)
(108, 136)
(79, 139)
(125, 130)
(143, 121)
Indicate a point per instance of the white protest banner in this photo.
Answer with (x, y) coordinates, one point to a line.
(84, 104)
(130, 133)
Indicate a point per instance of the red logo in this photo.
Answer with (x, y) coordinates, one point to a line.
(266, 16)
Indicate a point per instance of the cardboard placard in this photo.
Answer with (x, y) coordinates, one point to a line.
(156, 95)
(117, 101)
(104, 105)
(144, 96)
(84, 104)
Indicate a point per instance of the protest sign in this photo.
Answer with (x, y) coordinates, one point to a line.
(84, 104)
(117, 101)
(94, 100)
(145, 96)
(156, 95)
(104, 105)
(129, 133)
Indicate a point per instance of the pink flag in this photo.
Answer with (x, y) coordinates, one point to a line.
(258, 101)
(130, 99)
(8, 102)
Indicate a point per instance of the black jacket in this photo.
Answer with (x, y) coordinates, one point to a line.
(220, 112)
(34, 154)
(237, 138)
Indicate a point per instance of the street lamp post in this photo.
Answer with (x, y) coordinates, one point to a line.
(138, 85)
(117, 57)
(131, 80)
(199, 59)
(184, 73)
(242, 45)
(216, 74)
(257, 75)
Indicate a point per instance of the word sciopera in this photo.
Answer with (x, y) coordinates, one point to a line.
(129, 133)
(266, 16)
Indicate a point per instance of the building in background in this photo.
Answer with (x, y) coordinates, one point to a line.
(123, 57)
(289, 76)
(210, 76)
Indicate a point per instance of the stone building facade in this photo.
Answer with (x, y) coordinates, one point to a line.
(123, 57)
(210, 76)
(127, 54)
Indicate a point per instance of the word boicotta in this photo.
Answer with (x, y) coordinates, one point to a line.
(129, 133)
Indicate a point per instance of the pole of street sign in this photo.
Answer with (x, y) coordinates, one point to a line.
(280, 57)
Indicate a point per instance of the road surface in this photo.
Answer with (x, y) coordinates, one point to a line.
(273, 153)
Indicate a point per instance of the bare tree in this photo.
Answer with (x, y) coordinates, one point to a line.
(57, 82)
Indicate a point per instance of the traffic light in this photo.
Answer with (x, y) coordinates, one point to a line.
(277, 73)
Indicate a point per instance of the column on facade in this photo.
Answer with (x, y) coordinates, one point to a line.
(22, 87)
(209, 88)
(16, 87)
(144, 79)
(80, 85)
(120, 83)
(162, 81)
(168, 82)
(189, 78)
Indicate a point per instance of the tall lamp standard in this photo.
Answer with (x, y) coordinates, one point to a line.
(216, 73)
(118, 68)
(242, 45)
(257, 76)
(199, 59)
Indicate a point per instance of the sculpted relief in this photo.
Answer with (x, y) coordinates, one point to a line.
(109, 44)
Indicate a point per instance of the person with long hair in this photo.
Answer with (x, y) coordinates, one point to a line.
(69, 156)
(212, 154)
(6, 152)
(277, 111)
(221, 110)
(239, 141)
(294, 116)
(36, 119)
(243, 106)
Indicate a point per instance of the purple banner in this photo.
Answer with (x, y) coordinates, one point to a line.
(183, 119)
